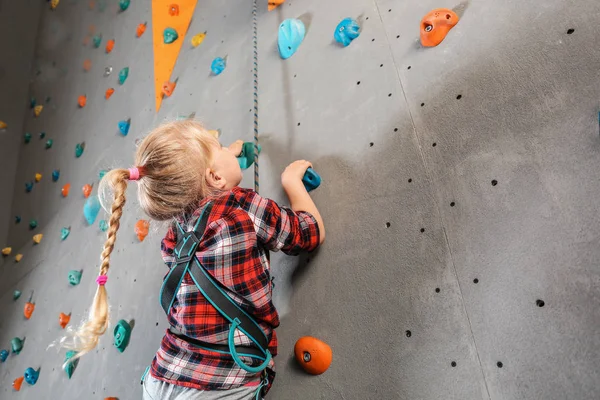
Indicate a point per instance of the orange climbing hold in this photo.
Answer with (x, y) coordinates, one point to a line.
(17, 383)
(87, 65)
(273, 4)
(82, 101)
(110, 398)
(109, 92)
(174, 10)
(65, 190)
(313, 355)
(86, 40)
(141, 28)
(141, 229)
(436, 24)
(87, 190)
(168, 88)
(63, 320)
(28, 309)
(38, 177)
(110, 45)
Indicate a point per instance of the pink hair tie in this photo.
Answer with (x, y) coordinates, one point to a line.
(101, 280)
(134, 174)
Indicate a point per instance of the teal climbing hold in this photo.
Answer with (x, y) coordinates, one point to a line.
(97, 40)
(291, 35)
(79, 149)
(64, 233)
(17, 219)
(31, 375)
(103, 225)
(124, 127)
(32, 102)
(70, 365)
(121, 334)
(124, 4)
(170, 35)
(16, 345)
(218, 65)
(246, 157)
(16, 294)
(42, 135)
(28, 186)
(33, 224)
(311, 180)
(123, 74)
(27, 137)
(91, 209)
(74, 277)
(346, 31)
(49, 143)
(55, 175)
(102, 173)
(3, 355)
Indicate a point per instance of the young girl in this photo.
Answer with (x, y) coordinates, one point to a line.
(180, 170)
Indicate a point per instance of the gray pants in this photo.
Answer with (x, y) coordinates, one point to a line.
(153, 389)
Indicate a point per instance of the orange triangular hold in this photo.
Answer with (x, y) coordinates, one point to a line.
(273, 4)
(165, 55)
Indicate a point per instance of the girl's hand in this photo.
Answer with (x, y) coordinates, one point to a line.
(293, 174)
(236, 147)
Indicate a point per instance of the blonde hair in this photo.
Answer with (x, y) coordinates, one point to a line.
(172, 161)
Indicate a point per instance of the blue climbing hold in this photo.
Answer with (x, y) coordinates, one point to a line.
(91, 209)
(31, 375)
(3, 355)
(218, 65)
(291, 35)
(311, 180)
(124, 127)
(28, 186)
(55, 175)
(346, 31)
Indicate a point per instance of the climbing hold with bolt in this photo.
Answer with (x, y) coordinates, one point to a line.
(168, 88)
(6, 251)
(65, 190)
(246, 157)
(63, 319)
(436, 24)
(3, 125)
(109, 92)
(75, 277)
(198, 39)
(97, 40)
(174, 10)
(123, 74)
(16, 345)
(313, 355)
(91, 208)
(124, 126)
(64, 233)
(17, 219)
(141, 28)
(37, 110)
(33, 224)
(27, 137)
(82, 101)
(31, 375)
(18, 257)
(122, 334)
(16, 294)
(346, 31)
(3, 355)
(110, 45)
(141, 229)
(69, 365)
(42, 135)
(79, 147)
(124, 4)
(87, 190)
(218, 65)
(103, 225)
(291, 35)
(170, 35)
(49, 143)
(311, 180)
(38, 177)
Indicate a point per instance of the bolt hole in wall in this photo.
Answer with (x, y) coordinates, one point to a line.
(494, 182)
(387, 224)
(371, 144)
(437, 289)
(408, 333)
(453, 364)
(452, 204)
(499, 364)
(540, 303)
(459, 97)
(570, 31)
(475, 281)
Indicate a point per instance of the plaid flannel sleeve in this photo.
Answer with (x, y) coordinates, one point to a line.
(280, 228)
(167, 246)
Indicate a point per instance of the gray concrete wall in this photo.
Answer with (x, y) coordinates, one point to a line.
(19, 22)
(419, 239)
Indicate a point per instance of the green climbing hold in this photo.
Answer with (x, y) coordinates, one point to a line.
(27, 137)
(97, 40)
(32, 102)
(33, 224)
(42, 135)
(121, 334)
(70, 365)
(124, 4)
(49, 143)
(79, 149)
(103, 225)
(17, 345)
(123, 74)
(64, 233)
(74, 277)
(170, 35)
(16, 294)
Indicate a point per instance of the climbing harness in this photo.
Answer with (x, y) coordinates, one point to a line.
(255, 41)
(186, 262)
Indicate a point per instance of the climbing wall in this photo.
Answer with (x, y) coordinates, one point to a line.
(458, 193)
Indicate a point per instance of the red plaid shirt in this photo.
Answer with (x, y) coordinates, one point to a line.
(241, 227)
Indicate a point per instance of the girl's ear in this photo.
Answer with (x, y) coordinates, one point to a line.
(214, 180)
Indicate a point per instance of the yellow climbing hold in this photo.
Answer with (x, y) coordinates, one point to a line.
(273, 4)
(37, 110)
(18, 257)
(38, 177)
(3, 125)
(6, 251)
(198, 39)
(37, 238)
(54, 4)
(215, 132)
